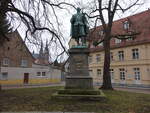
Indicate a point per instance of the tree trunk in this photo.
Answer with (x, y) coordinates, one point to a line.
(106, 71)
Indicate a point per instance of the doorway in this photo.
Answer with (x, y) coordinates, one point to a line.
(26, 78)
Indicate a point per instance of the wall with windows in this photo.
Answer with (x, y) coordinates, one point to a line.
(14, 53)
(38, 74)
(129, 65)
(16, 64)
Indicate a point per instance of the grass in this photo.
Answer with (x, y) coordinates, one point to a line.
(39, 99)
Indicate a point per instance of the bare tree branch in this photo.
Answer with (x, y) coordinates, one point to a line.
(129, 7)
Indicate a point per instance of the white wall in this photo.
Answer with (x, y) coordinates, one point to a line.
(18, 73)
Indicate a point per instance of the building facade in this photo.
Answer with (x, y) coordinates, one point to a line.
(130, 57)
(18, 66)
(130, 66)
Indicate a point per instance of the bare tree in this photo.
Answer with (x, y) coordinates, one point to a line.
(104, 11)
(38, 17)
(4, 24)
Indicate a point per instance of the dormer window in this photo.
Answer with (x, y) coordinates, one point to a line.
(117, 41)
(101, 32)
(126, 25)
(130, 38)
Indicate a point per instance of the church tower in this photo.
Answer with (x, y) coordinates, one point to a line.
(46, 52)
(41, 53)
(43, 57)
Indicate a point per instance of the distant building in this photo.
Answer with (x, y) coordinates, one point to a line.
(18, 66)
(130, 58)
(43, 56)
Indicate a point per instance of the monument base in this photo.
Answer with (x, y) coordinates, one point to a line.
(79, 82)
(78, 77)
(78, 94)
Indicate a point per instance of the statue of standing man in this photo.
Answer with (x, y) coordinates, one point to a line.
(79, 27)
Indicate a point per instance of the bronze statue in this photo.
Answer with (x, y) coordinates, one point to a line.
(79, 27)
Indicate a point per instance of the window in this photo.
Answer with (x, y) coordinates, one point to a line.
(121, 55)
(99, 72)
(43, 73)
(98, 58)
(117, 41)
(129, 39)
(90, 59)
(38, 73)
(137, 73)
(6, 61)
(4, 75)
(112, 73)
(122, 73)
(91, 72)
(135, 53)
(24, 63)
(126, 25)
(101, 32)
(111, 56)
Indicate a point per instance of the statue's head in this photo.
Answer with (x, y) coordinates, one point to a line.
(78, 9)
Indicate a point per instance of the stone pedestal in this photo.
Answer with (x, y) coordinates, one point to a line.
(79, 77)
(79, 84)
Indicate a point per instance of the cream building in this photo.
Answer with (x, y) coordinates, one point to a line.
(130, 58)
(130, 66)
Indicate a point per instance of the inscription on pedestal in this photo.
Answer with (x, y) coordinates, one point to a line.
(79, 73)
(78, 62)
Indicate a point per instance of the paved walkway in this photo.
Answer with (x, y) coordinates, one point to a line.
(32, 85)
(146, 91)
(135, 90)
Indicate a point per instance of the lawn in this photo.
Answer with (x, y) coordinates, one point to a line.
(39, 99)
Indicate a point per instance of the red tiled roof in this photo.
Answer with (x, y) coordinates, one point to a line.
(42, 61)
(138, 23)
